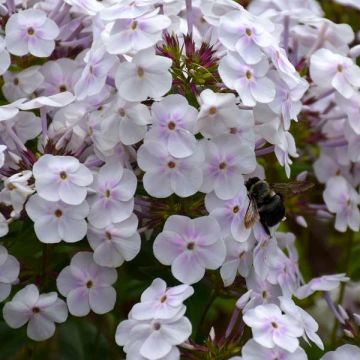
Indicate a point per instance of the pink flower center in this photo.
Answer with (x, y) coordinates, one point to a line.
(163, 299)
(340, 68)
(242, 254)
(248, 75)
(16, 81)
(274, 325)
(236, 209)
(156, 326)
(89, 284)
(62, 88)
(190, 246)
(35, 310)
(121, 112)
(134, 25)
(107, 193)
(108, 235)
(222, 165)
(248, 32)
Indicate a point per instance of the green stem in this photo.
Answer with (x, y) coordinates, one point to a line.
(213, 296)
(343, 284)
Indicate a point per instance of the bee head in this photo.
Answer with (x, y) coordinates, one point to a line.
(250, 182)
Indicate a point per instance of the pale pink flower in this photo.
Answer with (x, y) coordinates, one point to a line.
(61, 178)
(31, 31)
(226, 161)
(9, 272)
(165, 174)
(55, 220)
(249, 81)
(112, 197)
(173, 122)
(343, 200)
(40, 311)
(346, 351)
(161, 302)
(271, 328)
(328, 69)
(115, 243)
(190, 246)
(87, 286)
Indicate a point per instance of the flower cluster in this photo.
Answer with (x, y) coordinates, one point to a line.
(135, 140)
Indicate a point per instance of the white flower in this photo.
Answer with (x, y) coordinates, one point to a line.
(9, 272)
(160, 302)
(56, 221)
(253, 351)
(93, 77)
(323, 283)
(146, 76)
(346, 351)
(242, 32)
(219, 114)
(343, 200)
(61, 178)
(190, 246)
(165, 174)
(17, 190)
(249, 81)
(31, 31)
(87, 285)
(328, 69)
(112, 198)
(5, 60)
(128, 36)
(271, 328)
(305, 321)
(173, 123)
(21, 84)
(226, 160)
(154, 339)
(41, 311)
(115, 243)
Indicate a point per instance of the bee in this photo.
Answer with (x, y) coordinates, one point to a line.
(267, 201)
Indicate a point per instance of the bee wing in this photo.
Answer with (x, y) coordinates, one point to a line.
(252, 215)
(292, 188)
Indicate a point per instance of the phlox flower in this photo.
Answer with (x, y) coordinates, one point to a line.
(87, 7)
(2, 155)
(165, 174)
(328, 69)
(147, 75)
(31, 31)
(9, 272)
(115, 243)
(271, 328)
(254, 351)
(5, 60)
(242, 32)
(249, 81)
(173, 122)
(112, 197)
(130, 118)
(226, 160)
(154, 339)
(230, 214)
(128, 36)
(190, 246)
(41, 311)
(304, 319)
(238, 259)
(87, 286)
(93, 77)
(61, 178)
(22, 84)
(346, 351)
(161, 302)
(126, 9)
(323, 283)
(343, 200)
(55, 220)
(17, 190)
(284, 149)
(219, 114)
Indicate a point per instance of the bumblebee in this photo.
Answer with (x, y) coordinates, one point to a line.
(267, 201)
